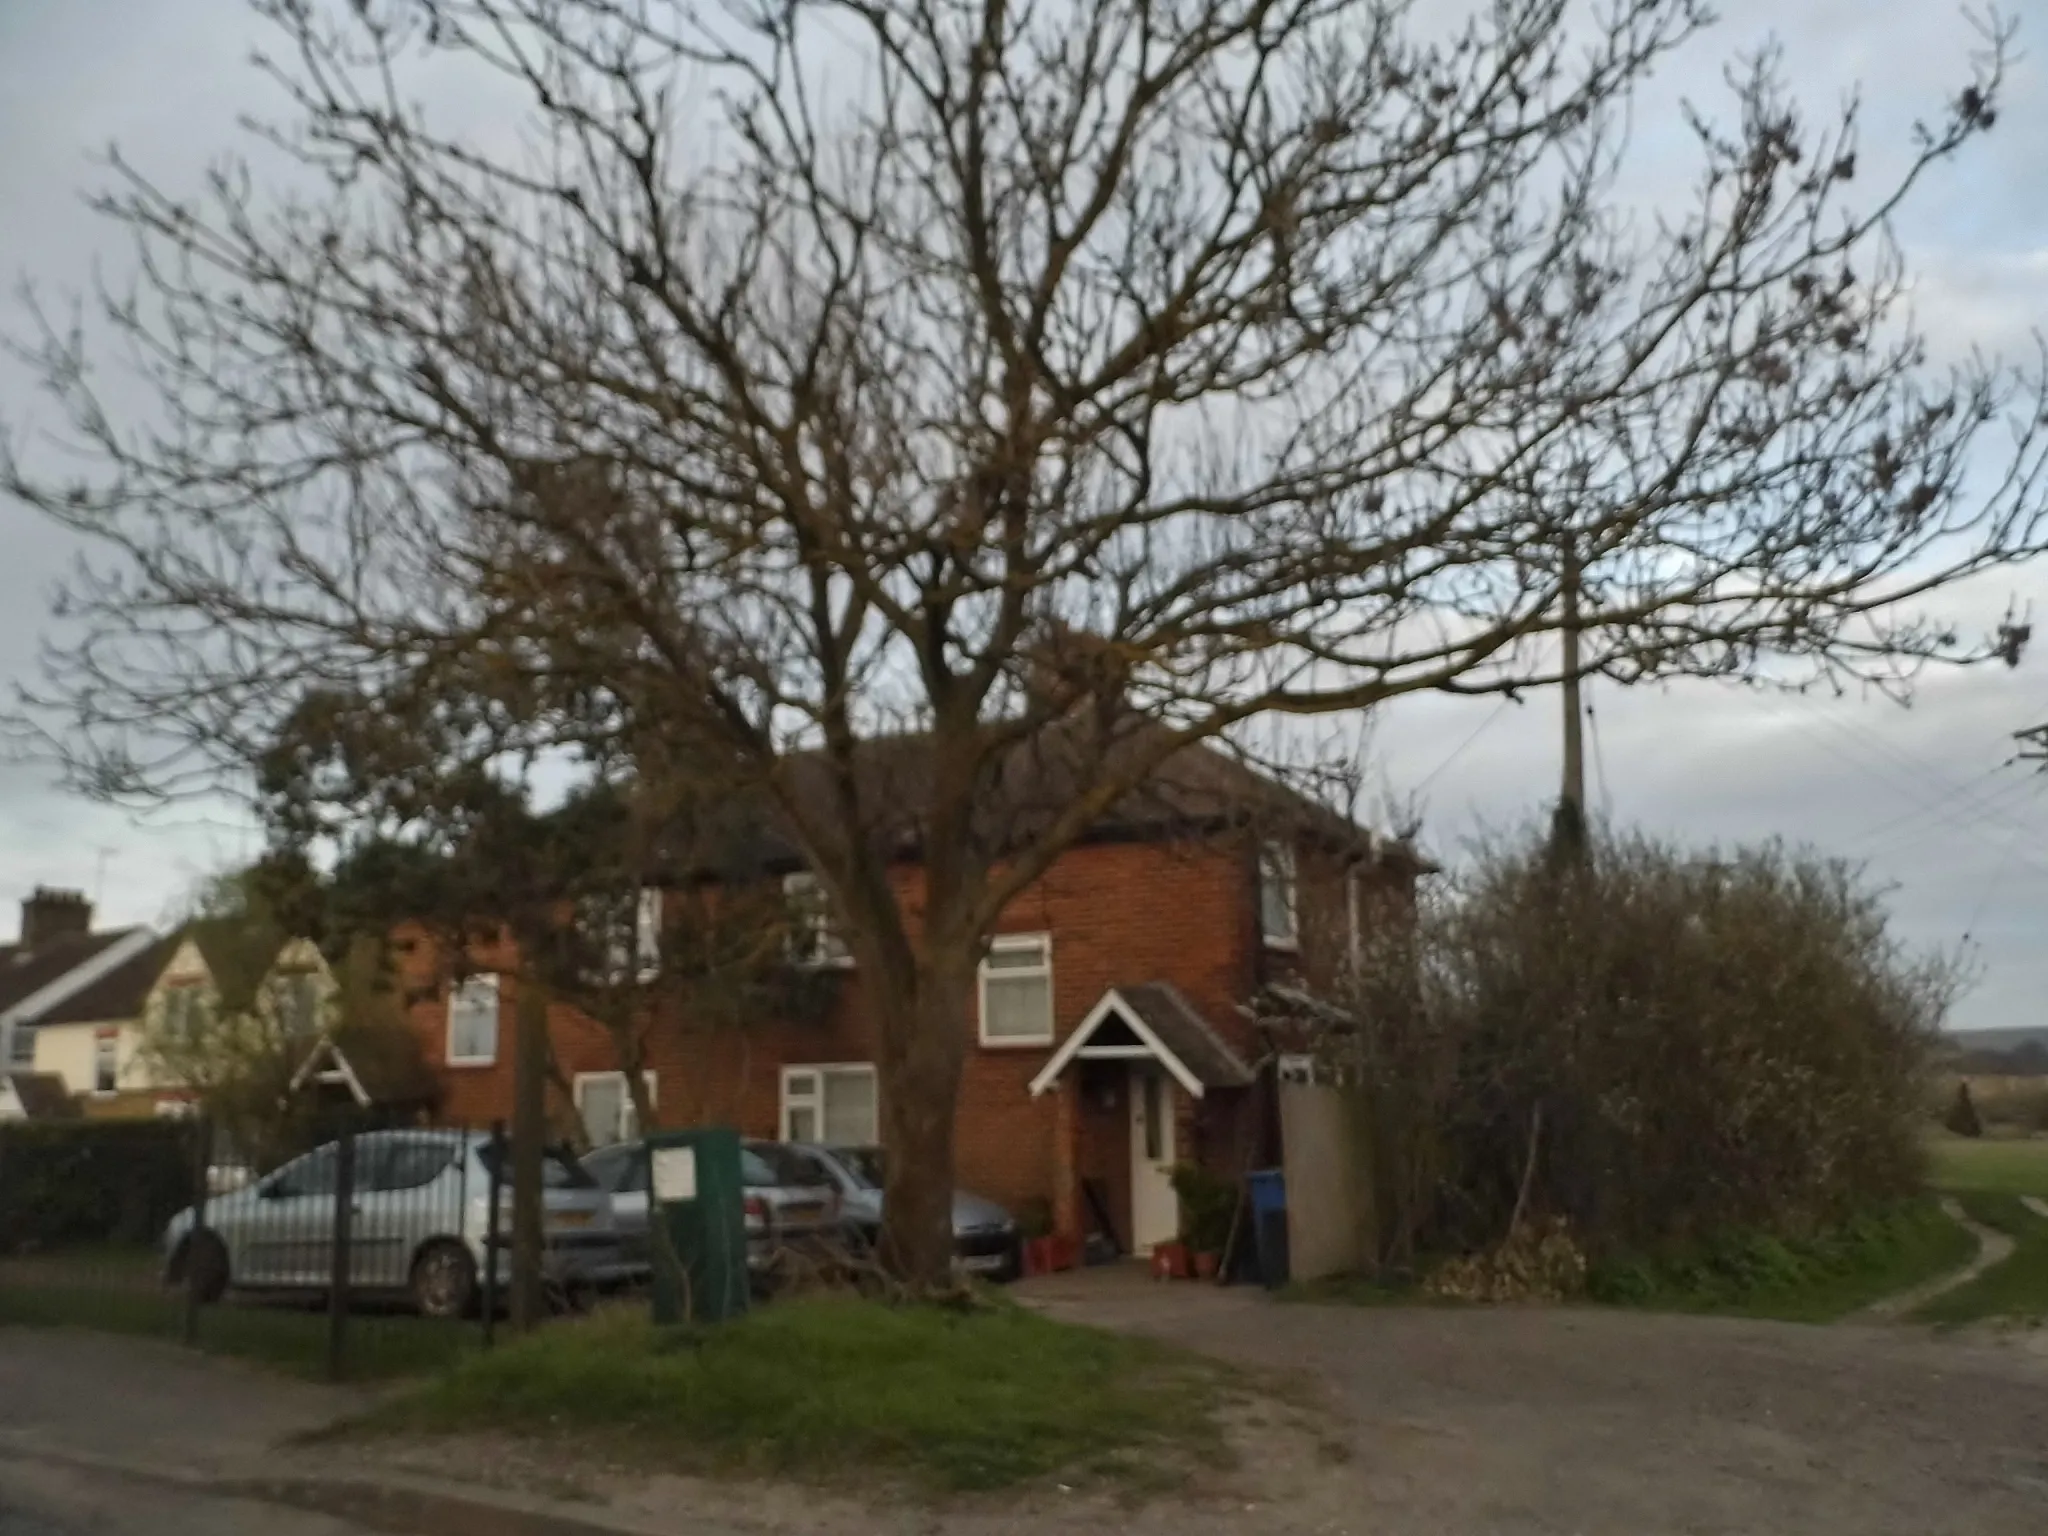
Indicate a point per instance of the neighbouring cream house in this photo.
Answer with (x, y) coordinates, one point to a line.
(93, 1039)
(60, 981)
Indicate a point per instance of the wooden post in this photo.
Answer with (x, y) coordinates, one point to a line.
(202, 1160)
(493, 1229)
(338, 1271)
(529, 1151)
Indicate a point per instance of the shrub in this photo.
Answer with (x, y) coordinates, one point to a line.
(92, 1182)
(1208, 1207)
(1654, 1046)
(1962, 1118)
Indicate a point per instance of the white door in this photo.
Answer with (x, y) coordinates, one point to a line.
(1155, 1209)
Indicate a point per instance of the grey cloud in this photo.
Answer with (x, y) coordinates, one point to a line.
(167, 77)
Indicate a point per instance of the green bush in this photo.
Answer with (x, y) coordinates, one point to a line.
(115, 1181)
(1654, 1045)
(1208, 1207)
(1962, 1118)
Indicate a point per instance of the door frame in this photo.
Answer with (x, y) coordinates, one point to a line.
(1155, 1207)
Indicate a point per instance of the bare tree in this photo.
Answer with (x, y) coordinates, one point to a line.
(1064, 384)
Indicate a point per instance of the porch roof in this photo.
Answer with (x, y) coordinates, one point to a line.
(1150, 1021)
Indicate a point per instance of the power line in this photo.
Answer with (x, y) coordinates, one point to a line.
(1915, 790)
(1917, 769)
(1939, 818)
(1459, 750)
(1914, 814)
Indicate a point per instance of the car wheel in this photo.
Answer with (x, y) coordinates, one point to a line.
(201, 1263)
(443, 1280)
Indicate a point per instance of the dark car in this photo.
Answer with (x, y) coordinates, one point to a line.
(984, 1234)
(791, 1202)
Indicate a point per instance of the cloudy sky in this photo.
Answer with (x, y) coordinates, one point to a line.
(1923, 796)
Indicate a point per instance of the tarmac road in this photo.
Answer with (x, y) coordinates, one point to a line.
(44, 1500)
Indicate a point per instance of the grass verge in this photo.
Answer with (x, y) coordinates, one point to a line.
(290, 1339)
(832, 1387)
(2015, 1288)
(2013, 1167)
(1815, 1280)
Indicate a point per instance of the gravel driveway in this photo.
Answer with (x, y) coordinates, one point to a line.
(1512, 1420)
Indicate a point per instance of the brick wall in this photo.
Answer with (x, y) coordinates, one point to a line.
(1118, 913)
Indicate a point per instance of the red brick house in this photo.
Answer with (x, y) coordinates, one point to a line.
(1108, 1044)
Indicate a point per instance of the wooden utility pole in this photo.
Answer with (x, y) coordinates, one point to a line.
(1568, 822)
(529, 1151)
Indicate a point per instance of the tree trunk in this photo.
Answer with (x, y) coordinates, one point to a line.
(661, 1244)
(529, 1151)
(924, 1043)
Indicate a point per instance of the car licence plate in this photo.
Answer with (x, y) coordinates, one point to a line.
(983, 1263)
(569, 1219)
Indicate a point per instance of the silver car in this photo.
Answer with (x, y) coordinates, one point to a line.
(791, 1202)
(419, 1222)
(984, 1234)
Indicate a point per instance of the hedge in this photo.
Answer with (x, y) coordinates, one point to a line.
(92, 1181)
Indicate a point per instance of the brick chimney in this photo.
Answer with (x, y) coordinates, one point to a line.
(49, 915)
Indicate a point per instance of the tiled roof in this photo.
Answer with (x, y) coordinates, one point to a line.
(117, 995)
(1197, 789)
(24, 972)
(1193, 1039)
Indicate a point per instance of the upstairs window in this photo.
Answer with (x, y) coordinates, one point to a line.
(1016, 990)
(1277, 893)
(106, 1060)
(623, 943)
(813, 940)
(647, 933)
(184, 1014)
(298, 1005)
(473, 1023)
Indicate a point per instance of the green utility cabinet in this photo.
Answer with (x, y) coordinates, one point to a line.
(694, 1192)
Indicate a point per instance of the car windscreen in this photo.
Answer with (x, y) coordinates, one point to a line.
(622, 1170)
(864, 1163)
(766, 1163)
(559, 1168)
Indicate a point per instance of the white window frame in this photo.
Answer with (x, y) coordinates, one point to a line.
(626, 1112)
(647, 915)
(1013, 943)
(816, 941)
(286, 995)
(455, 989)
(110, 1039)
(1278, 868)
(814, 1100)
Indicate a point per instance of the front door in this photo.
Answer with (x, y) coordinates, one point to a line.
(1155, 1209)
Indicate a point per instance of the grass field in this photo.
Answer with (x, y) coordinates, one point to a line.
(2015, 1289)
(2012, 1167)
(836, 1386)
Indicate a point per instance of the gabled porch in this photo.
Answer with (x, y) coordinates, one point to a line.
(1144, 1083)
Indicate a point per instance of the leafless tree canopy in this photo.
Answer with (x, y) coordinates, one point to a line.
(784, 374)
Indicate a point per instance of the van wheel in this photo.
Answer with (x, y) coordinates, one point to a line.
(201, 1263)
(443, 1280)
